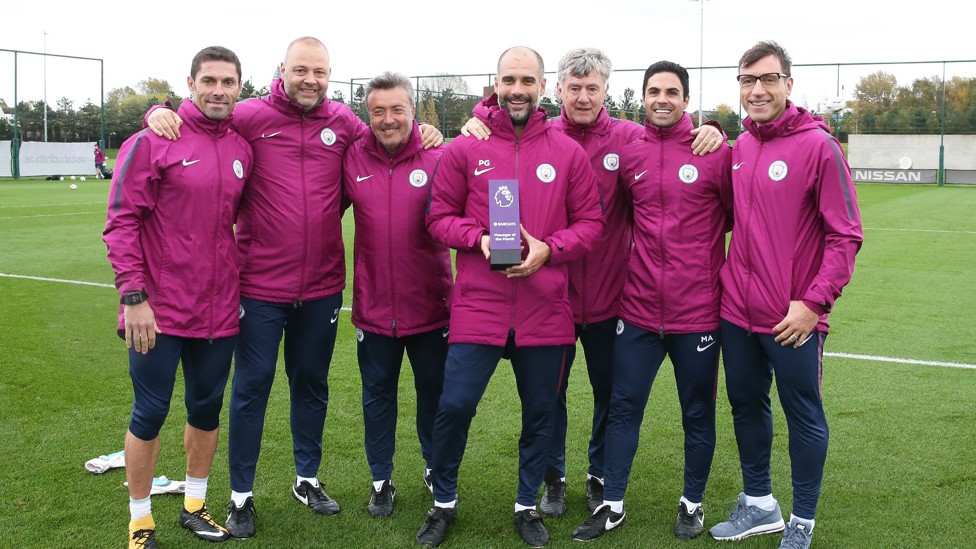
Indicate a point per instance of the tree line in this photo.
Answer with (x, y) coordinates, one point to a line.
(878, 106)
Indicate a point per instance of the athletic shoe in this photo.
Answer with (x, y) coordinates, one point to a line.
(748, 520)
(428, 482)
(529, 525)
(202, 526)
(797, 536)
(689, 525)
(600, 522)
(594, 493)
(553, 503)
(381, 501)
(434, 530)
(240, 520)
(315, 497)
(142, 539)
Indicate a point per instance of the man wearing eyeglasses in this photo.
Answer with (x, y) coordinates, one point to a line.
(797, 230)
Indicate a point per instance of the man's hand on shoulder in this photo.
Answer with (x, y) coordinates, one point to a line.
(165, 123)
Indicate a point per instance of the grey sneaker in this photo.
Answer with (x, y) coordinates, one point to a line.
(797, 536)
(594, 493)
(689, 525)
(748, 520)
(553, 502)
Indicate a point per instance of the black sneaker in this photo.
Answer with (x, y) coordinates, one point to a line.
(202, 525)
(553, 503)
(142, 539)
(315, 497)
(240, 520)
(689, 525)
(428, 482)
(381, 501)
(530, 526)
(594, 493)
(600, 522)
(434, 530)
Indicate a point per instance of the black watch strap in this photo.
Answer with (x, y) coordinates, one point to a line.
(134, 298)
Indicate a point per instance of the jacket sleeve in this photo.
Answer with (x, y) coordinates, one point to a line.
(131, 198)
(584, 212)
(842, 229)
(445, 218)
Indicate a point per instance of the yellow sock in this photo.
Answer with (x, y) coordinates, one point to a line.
(142, 523)
(193, 504)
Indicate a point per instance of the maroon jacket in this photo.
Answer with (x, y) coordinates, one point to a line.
(402, 279)
(558, 205)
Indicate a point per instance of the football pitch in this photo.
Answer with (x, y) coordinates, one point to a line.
(899, 387)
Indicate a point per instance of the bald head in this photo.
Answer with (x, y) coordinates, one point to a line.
(521, 54)
(520, 84)
(305, 71)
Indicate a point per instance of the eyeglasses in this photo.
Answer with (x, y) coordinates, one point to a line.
(768, 79)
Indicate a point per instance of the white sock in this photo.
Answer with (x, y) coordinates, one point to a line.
(806, 522)
(196, 487)
(139, 508)
(691, 506)
(519, 507)
(449, 505)
(766, 503)
(240, 497)
(378, 484)
(313, 481)
(615, 506)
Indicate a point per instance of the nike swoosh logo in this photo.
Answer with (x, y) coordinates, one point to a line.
(361, 178)
(737, 166)
(267, 135)
(206, 533)
(189, 162)
(700, 348)
(639, 175)
(611, 524)
(480, 171)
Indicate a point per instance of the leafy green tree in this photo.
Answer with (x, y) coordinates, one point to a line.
(338, 97)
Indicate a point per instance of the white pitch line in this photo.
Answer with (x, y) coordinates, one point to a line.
(61, 280)
(903, 360)
(47, 215)
(347, 309)
(81, 282)
(62, 204)
(918, 230)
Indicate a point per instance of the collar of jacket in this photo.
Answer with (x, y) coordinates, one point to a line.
(677, 132)
(600, 127)
(284, 104)
(194, 118)
(500, 122)
(407, 149)
(792, 120)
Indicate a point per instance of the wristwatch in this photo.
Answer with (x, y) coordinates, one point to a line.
(134, 298)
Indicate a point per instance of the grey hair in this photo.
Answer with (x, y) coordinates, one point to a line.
(579, 62)
(391, 80)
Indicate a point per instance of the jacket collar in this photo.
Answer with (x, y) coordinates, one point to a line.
(192, 116)
(407, 149)
(500, 122)
(600, 127)
(283, 103)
